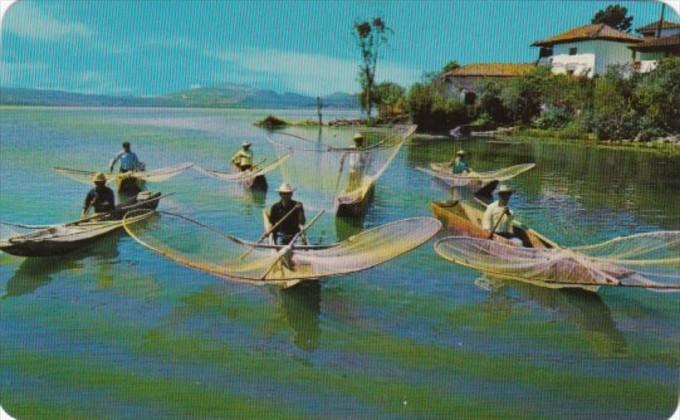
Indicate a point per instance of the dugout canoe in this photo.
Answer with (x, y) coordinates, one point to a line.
(67, 237)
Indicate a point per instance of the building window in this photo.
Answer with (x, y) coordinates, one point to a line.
(572, 51)
(545, 52)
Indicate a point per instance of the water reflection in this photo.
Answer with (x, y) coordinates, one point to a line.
(302, 307)
(34, 273)
(348, 226)
(586, 310)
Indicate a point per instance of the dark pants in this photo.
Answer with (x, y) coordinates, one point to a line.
(283, 238)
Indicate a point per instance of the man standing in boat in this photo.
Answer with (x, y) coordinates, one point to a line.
(459, 165)
(100, 197)
(288, 214)
(128, 160)
(498, 217)
(358, 160)
(243, 159)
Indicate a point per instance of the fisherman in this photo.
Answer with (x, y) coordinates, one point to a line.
(459, 164)
(243, 159)
(498, 218)
(289, 213)
(128, 160)
(358, 160)
(100, 197)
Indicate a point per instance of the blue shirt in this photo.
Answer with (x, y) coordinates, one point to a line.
(128, 161)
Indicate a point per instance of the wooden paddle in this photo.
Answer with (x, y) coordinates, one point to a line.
(493, 231)
(270, 230)
(287, 248)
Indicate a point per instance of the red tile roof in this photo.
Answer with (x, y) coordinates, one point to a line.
(491, 70)
(658, 44)
(654, 26)
(588, 33)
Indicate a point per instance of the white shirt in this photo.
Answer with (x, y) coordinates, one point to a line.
(491, 216)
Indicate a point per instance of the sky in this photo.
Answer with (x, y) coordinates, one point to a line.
(154, 47)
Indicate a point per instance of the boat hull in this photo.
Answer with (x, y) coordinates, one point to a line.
(259, 183)
(52, 245)
(355, 208)
(466, 220)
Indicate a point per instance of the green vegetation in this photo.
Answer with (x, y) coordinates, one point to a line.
(615, 106)
(432, 108)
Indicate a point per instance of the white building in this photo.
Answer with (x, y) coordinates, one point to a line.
(661, 39)
(587, 50)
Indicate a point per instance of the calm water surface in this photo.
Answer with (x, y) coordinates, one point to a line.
(118, 331)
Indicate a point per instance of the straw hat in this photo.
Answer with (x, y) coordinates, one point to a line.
(358, 137)
(99, 177)
(504, 189)
(245, 144)
(285, 188)
(461, 152)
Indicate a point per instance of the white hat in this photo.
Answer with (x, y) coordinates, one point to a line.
(461, 152)
(245, 144)
(504, 189)
(285, 188)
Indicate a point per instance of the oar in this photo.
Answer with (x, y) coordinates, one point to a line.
(270, 230)
(493, 231)
(287, 248)
(259, 163)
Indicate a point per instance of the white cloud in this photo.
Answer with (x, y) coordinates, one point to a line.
(9, 70)
(28, 21)
(312, 74)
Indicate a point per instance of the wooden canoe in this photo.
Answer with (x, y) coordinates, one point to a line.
(466, 220)
(67, 237)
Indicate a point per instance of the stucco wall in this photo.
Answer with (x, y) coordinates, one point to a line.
(598, 55)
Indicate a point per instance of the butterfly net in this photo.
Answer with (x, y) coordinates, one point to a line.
(325, 177)
(443, 172)
(193, 244)
(245, 177)
(646, 260)
(158, 175)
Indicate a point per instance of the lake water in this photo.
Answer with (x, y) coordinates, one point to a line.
(117, 331)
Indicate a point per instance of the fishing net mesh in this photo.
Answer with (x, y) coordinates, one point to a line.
(158, 175)
(325, 177)
(443, 172)
(207, 249)
(246, 177)
(625, 261)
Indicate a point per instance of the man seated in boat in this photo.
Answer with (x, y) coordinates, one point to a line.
(100, 197)
(357, 162)
(498, 218)
(459, 164)
(243, 159)
(128, 160)
(288, 213)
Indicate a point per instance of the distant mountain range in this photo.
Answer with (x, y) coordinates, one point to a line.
(222, 96)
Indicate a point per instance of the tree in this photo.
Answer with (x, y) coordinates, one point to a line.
(450, 66)
(370, 36)
(658, 95)
(614, 16)
(390, 99)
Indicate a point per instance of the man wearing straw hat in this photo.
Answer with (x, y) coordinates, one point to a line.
(358, 161)
(243, 159)
(286, 215)
(459, 165)
(498, 217)
(100, 197)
